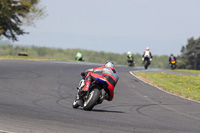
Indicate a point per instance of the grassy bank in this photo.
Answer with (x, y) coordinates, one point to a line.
(186, 86)
(187, 71)
(29, 58)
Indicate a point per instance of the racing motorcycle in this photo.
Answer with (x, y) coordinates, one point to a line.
(95, 94)
(130, 62)
(146, 62)
(173, 64)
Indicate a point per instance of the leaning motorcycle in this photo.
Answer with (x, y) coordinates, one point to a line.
(79, 59)
(95, 94)
(173, 64)
(146, 62)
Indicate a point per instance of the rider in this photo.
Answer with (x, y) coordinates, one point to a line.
(147, 53)
(129, 56)
(106, 72)
(79, 57)
(171, 58)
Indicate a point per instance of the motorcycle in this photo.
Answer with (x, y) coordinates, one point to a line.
(146, 62)
(80, 59)
(130, 62)
(95, 94)
(173, 64)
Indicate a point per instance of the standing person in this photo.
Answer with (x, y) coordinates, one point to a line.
(106, 72)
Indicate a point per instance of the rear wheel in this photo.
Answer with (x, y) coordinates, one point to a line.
(92, 99)
(173, 66)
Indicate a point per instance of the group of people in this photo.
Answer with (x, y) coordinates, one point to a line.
(130, 58)
(109, 74)
(147, 53)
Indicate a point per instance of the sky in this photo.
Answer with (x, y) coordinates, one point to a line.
(116, 26)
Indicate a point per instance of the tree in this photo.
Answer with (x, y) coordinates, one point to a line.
(15, 13)
(190, 55)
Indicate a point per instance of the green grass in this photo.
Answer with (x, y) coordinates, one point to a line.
(186, 86)
(188, 71)
(29, 58)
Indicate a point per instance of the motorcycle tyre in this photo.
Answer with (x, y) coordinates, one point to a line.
(92, 99)
(145, 64)
(173, 67)
(130, 64)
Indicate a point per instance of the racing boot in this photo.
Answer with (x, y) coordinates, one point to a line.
(84, 90)
(108, 98)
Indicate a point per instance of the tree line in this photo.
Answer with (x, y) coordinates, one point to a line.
(88, 55)
(190, 55)
(16, 13)
(188, 59)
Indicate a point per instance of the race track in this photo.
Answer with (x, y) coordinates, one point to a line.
(36, 97)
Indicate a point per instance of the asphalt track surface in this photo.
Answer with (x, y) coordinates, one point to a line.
(37, 96)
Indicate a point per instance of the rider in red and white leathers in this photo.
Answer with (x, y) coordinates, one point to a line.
(106, 72)
(147, 53)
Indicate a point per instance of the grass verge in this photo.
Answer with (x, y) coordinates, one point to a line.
(187, 71)
(29, 58)
(182, 85)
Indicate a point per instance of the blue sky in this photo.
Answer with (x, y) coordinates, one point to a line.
(116, 25)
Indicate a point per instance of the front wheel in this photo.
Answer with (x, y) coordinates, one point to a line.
(92, 99)
(145, 64)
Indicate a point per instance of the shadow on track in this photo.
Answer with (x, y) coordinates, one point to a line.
(108, 111)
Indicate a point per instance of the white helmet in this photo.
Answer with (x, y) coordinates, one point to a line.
(109, 64)
(147, 48)
(129, 52)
